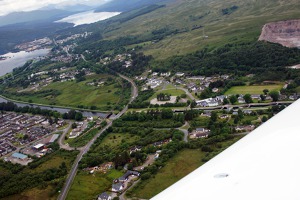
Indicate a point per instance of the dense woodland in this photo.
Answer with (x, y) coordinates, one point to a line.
(15, 178)
(268, 61)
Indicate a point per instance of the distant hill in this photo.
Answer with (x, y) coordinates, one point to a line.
(11, 35)
(122, 6)
(34, 16)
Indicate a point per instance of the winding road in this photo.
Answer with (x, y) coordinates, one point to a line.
(85, 149)
(61, 143)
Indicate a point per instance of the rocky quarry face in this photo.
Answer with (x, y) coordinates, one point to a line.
(286, 33)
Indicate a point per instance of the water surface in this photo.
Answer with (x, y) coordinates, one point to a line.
(18, 59)
(88, 17)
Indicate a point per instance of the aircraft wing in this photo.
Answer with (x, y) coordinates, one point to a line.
(264, 165)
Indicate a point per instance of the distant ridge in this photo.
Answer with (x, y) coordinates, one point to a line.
(123, 6)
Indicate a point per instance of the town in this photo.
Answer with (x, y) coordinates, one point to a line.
(21, 132)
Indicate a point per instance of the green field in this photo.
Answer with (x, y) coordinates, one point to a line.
(179, 166)
(200, 122)
(176, 168)
(83, 139)
(172, 92)
(115, 139)
(87, 186)
(33, 194)
(73, 94)
(253, 89)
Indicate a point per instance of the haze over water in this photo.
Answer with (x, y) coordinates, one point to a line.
(18, 59)
(88, 17)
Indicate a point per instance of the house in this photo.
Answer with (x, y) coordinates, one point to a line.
(196, 78)
(223, 116)
(245, 128)
(247, 112)
(117, 187)
(202, 103)
(200, 133)
(156, 156)
(104, 196)
(206, 114)
(268, 98)
(167, 74)
(215, 90)
(221, 98)
(179, 74)
(225, 77)
(241, 100)
(213, 103)
(127, 174)
(255, 96)
(155, 74)
(135, 149)
(200, 130)
(293, 97)
(282, 97)
(235, 113)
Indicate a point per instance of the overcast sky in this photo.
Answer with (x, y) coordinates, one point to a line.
(10, 6)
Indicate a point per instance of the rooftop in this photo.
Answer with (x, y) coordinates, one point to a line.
(19, 156)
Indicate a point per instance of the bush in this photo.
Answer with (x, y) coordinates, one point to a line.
(146, 176)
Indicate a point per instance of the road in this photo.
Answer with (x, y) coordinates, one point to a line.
(186, 134)
(185, 90)
(122, 196)
(187, 93)
(251, 105)
(61, 143)
(85, 149)
(184, 131)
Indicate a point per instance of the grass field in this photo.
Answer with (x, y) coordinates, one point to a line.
(172, 92)
(33, 194)
(87, 186)
(176, 168)
(115, 139)
(200, 122)
(73, 94)
(179, 166)
(53, 162)
(253, 89)
(84, 138)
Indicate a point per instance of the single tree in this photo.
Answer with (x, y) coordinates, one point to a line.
(248, 98)
(265, 91)
(233, 99)
(274, 95)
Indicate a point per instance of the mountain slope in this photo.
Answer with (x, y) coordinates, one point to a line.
(122, 6)
(223, 21)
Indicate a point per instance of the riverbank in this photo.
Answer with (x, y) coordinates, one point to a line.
(60, 109)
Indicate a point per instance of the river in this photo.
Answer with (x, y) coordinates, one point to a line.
(18, 59)
(60, 110)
